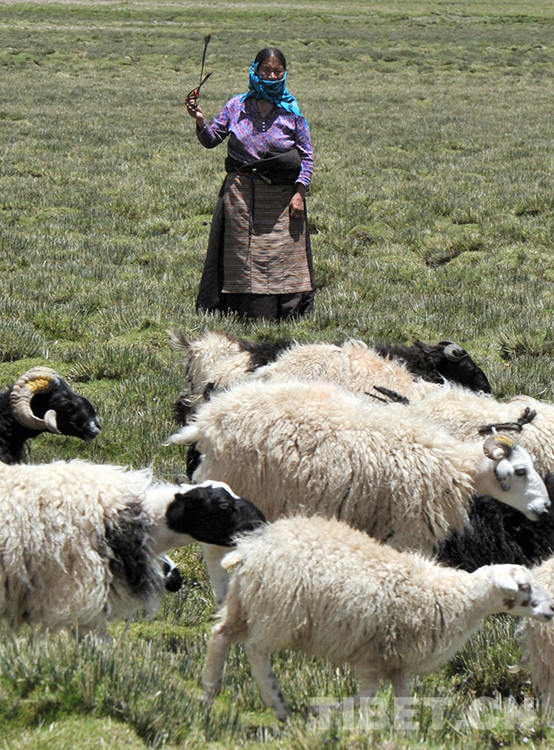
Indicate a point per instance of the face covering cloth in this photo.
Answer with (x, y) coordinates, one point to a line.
(275, 91)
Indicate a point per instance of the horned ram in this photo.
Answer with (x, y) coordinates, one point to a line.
(41, 401)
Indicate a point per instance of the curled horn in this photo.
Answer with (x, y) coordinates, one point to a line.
(453, 351)
(35, 380)
(498, 446)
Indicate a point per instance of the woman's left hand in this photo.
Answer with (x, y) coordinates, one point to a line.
(296, 206)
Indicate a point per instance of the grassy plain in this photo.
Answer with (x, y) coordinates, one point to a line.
(432, 216)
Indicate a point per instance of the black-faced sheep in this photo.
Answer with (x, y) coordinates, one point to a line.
(443, 361)
(41, 401)
(217, 360)
(499, 534)
(294, 446)
(81, 544)
(320, 587)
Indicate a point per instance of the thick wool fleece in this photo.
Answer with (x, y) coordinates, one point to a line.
(314, 446)
(537, 639)
(462, 413)
(54, 559)
(318, 586)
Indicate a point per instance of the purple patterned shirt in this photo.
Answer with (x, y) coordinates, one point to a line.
(251, 136)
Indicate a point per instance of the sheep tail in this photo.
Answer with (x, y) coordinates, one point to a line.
(236, 557)
(186, 436)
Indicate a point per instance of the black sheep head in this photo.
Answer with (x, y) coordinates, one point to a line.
(41, 401)
(212, 513)
(455, 364)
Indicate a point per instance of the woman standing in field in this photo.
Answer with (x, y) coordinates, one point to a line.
(259, 261)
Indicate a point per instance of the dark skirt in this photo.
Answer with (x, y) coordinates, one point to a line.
(237, 249)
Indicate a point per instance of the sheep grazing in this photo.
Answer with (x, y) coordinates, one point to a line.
(537, 642)
(353, 365)
(173, 580)
(294, 446)
(318, 586)
(217, 360)
(41, 401)
(443, 361)
(81, 544)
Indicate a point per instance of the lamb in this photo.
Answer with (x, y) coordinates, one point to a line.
(318, 586)
(293, 445)
(217, 360)
(41, 401)
(81, 544)
(538, 644)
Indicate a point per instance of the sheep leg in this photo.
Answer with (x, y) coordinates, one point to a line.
(400, 685)
(368, 688)
(260, 665)
(218, 576)
(218, 648)
(368, 685)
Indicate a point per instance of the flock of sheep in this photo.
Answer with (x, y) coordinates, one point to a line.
(379, 503)
(304, 432)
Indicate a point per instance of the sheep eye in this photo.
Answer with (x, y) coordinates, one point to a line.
(225, 505)
(524, 587)
(521, 472)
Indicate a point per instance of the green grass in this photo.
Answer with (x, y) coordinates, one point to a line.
(432, 217)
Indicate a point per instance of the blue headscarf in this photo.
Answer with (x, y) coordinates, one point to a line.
(272, 91)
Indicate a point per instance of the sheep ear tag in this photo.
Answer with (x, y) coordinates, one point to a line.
(504, 472)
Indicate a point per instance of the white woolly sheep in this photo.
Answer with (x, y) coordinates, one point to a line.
(41, 401)
(314, 447)
(462, 413)
(538, 644)
(320, 587)
(81, 544)
(217, 360)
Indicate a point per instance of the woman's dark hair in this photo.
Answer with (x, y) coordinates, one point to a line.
(263, 54)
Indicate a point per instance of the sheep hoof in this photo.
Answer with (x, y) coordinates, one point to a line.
(284, 712)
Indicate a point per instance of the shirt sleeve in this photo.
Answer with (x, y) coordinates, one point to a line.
(304, 146)
(212, 135)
